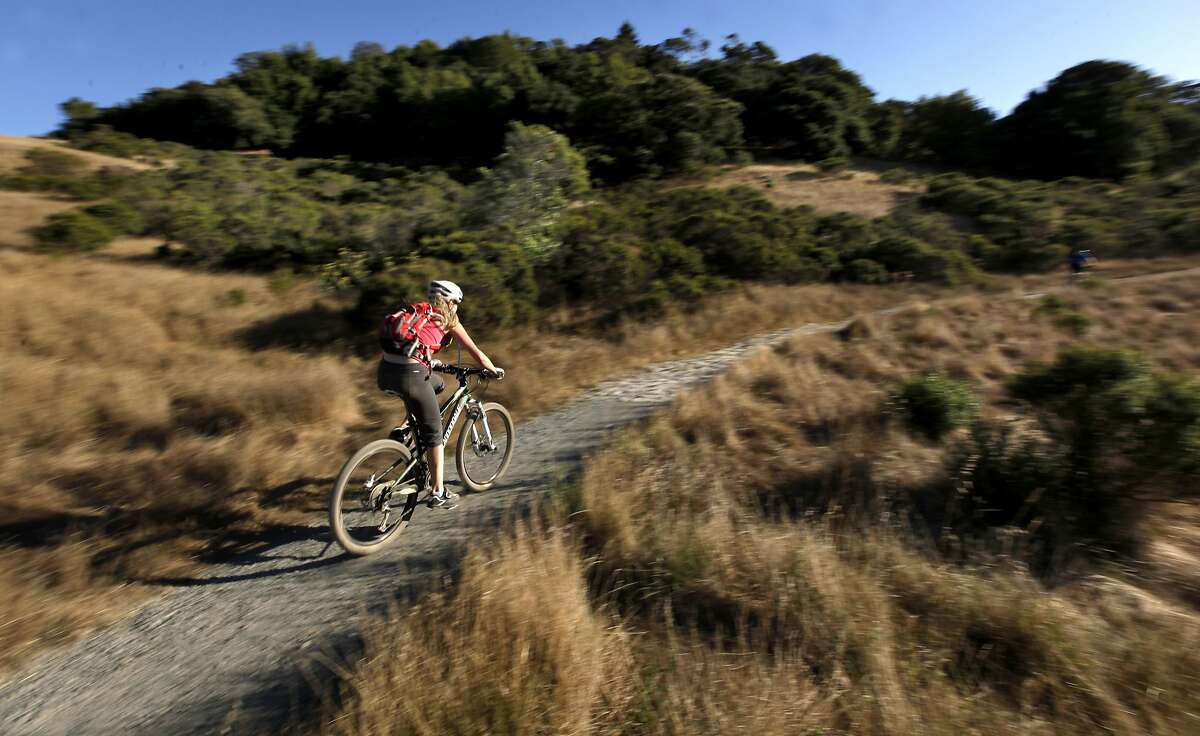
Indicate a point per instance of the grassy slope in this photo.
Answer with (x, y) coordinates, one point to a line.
(712, 611)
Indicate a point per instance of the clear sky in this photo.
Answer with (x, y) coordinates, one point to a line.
(111, 50)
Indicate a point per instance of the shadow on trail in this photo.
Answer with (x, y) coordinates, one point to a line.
(276, 540)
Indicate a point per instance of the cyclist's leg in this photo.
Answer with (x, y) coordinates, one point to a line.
(416, 385)
(421, 398)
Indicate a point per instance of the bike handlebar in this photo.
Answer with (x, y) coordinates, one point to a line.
(463, 372)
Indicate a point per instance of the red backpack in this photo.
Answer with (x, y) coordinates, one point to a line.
(400, 332)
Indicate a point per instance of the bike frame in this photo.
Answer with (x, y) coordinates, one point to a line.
(457, 401)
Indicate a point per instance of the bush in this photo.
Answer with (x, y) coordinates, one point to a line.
(896, 175)
(865, 271)
(281, 281)
(232, 298)
(46, 162)
(1076, 323)
(54, 171)
(89, 187)
(933, 404)
(1005, 468)
(73, 230)
(103, 139)
(1119, 428)
(924, 261)
(1063, 314)
(120, 217)
(833, 164)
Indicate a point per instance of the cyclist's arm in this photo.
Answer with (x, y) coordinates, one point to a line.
(460, 334)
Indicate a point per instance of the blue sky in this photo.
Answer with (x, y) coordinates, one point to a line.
(110, 51)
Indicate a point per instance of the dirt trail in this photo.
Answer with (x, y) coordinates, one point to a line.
(226, 648)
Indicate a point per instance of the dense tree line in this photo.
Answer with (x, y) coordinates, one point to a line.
(528, 235)
(637, 110)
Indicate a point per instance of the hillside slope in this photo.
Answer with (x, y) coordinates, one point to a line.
(858, 189)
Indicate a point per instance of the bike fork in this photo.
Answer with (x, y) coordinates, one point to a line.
(477, 410)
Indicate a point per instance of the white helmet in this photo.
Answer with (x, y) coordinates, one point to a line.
(445, 289)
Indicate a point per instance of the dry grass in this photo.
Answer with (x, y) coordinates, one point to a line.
(856, 190)
(556, 362)
(520, 648)
(517, 649)
(138, 434)
(22, 211)
(742, 612)
(900, 642)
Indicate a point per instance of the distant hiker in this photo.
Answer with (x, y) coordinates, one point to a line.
(1078, 260)
(409, 337)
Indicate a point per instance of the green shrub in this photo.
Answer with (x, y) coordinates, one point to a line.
(233, 298)
(73, 230)
(281, 281)
(1052, 304)
(1113, 407)
(103, 139)
(17, 183)
(933, 404)
(120, 217)
(48, 162)
(1076, 323)
(896, 175)
(54, 171)
(833, 164)
(83, 188)
(865, 271)
(1063, 314)
(1006, 469)
(924, 261)
(1121, 428)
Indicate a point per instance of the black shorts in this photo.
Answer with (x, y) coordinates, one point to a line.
(419, 388)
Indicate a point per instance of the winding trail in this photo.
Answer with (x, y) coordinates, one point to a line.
(225, 652)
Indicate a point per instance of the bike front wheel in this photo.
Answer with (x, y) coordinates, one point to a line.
(485, 446)
(374, 497)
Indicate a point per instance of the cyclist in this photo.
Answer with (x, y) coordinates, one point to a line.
(409, 374)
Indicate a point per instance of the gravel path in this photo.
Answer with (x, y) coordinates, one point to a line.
(226, 648)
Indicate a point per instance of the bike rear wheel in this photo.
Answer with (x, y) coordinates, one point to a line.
(374, 497)
(485, 446)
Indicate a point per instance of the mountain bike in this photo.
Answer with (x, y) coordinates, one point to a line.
(380, 486)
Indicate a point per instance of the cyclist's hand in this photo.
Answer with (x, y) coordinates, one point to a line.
(499, 373)
(435, 363)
